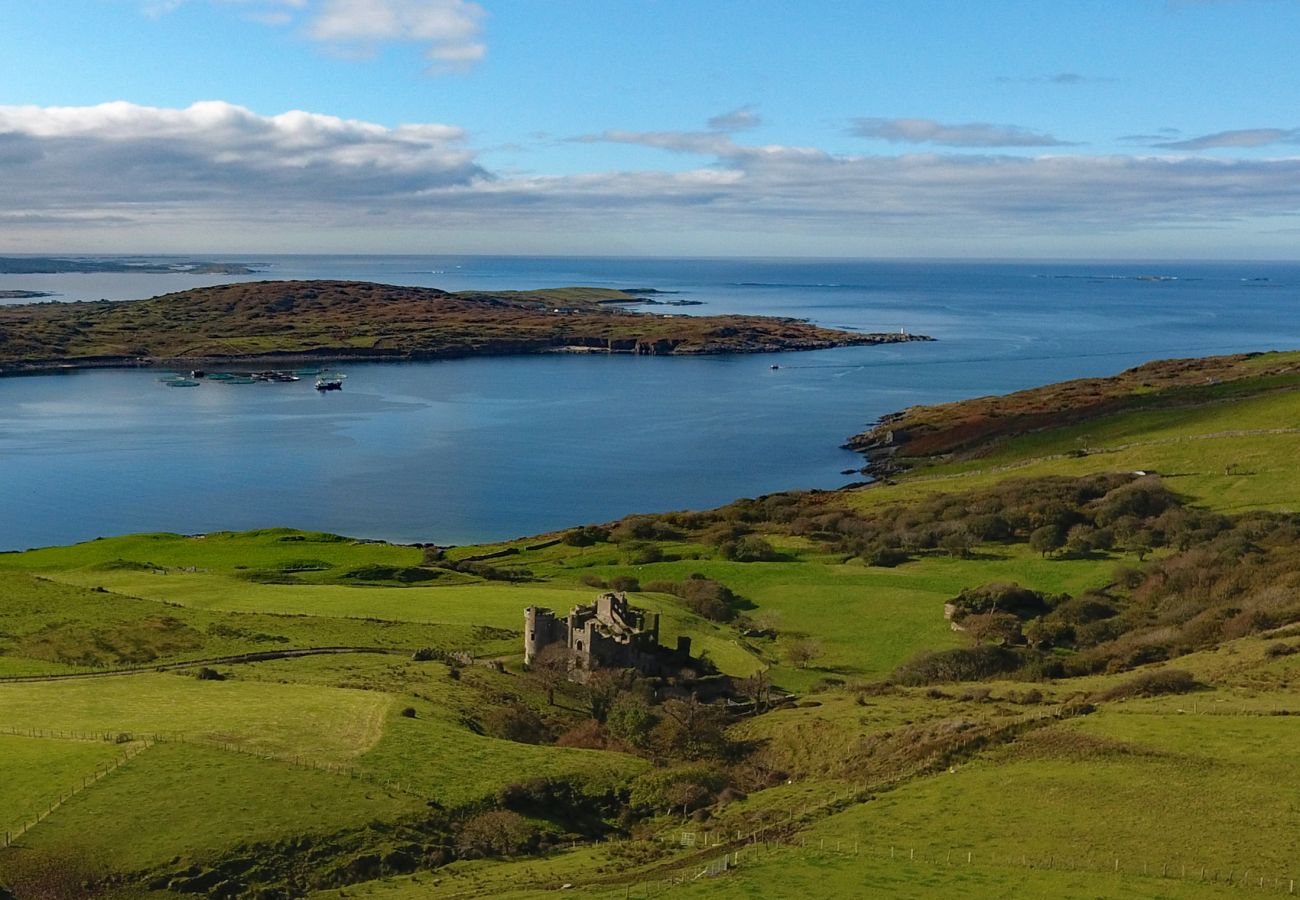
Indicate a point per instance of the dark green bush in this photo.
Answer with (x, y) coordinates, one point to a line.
(1152, 684)
(962, 664)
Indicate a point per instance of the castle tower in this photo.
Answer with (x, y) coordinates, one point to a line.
(540, 630)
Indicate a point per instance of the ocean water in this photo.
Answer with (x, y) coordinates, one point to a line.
(481, 449)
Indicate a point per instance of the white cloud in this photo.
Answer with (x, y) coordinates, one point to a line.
(449, 30)
(970, 134)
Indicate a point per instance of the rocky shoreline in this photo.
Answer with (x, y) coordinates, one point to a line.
(630, 347)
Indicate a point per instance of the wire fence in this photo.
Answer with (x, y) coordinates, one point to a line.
(767, 842)
(134, 743)
(129, 752)
(717, 851)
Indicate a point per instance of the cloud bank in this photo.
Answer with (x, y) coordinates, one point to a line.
(74, 175)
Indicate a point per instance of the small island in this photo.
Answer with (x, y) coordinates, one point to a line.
(25, 295)
(335, 321)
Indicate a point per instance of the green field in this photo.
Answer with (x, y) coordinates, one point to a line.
(1156, 769)
(180, 801)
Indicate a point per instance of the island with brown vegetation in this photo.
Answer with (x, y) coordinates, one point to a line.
(330, 321)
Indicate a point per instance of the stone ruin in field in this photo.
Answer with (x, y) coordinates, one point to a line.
(607, 634)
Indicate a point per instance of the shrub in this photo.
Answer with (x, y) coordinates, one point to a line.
(966, 664)
(408, 712)
(590, 579)
(639, 553)
(1279, 649)
(514, 723)
(1152, 684)
(1003, 597)
(802, 652)
(664, 789)
(587, 734)
(707, 598)
(203, 673)
(497, 833)
(630, 719)
(882, 556)
(750, 548)
(586, 536)
(400, 574)
(624, 583)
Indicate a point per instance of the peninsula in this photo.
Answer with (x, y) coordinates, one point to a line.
(329, 321)
(978, 428)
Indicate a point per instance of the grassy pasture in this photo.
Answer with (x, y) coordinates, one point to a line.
(449, 763)
(222, 552)
(318, 723)
(867, 620)
(34, 771)
(193, 802)
(1154, 790)
(494, 605)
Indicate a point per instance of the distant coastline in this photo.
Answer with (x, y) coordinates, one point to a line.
(60, 265)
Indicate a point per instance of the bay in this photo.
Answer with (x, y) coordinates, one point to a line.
(483, 449)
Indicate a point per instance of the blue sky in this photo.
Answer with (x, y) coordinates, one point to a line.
(949, 128)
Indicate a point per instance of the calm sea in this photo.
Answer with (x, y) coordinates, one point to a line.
(481, 449)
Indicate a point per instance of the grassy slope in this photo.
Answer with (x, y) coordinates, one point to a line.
(326, 724)
(184, 801)
(1167, 781)
(1229, 454)
(33, 771)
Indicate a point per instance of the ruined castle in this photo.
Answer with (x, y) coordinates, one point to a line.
(608, 634)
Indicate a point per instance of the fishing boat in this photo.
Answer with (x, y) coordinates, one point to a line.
(330, 381)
